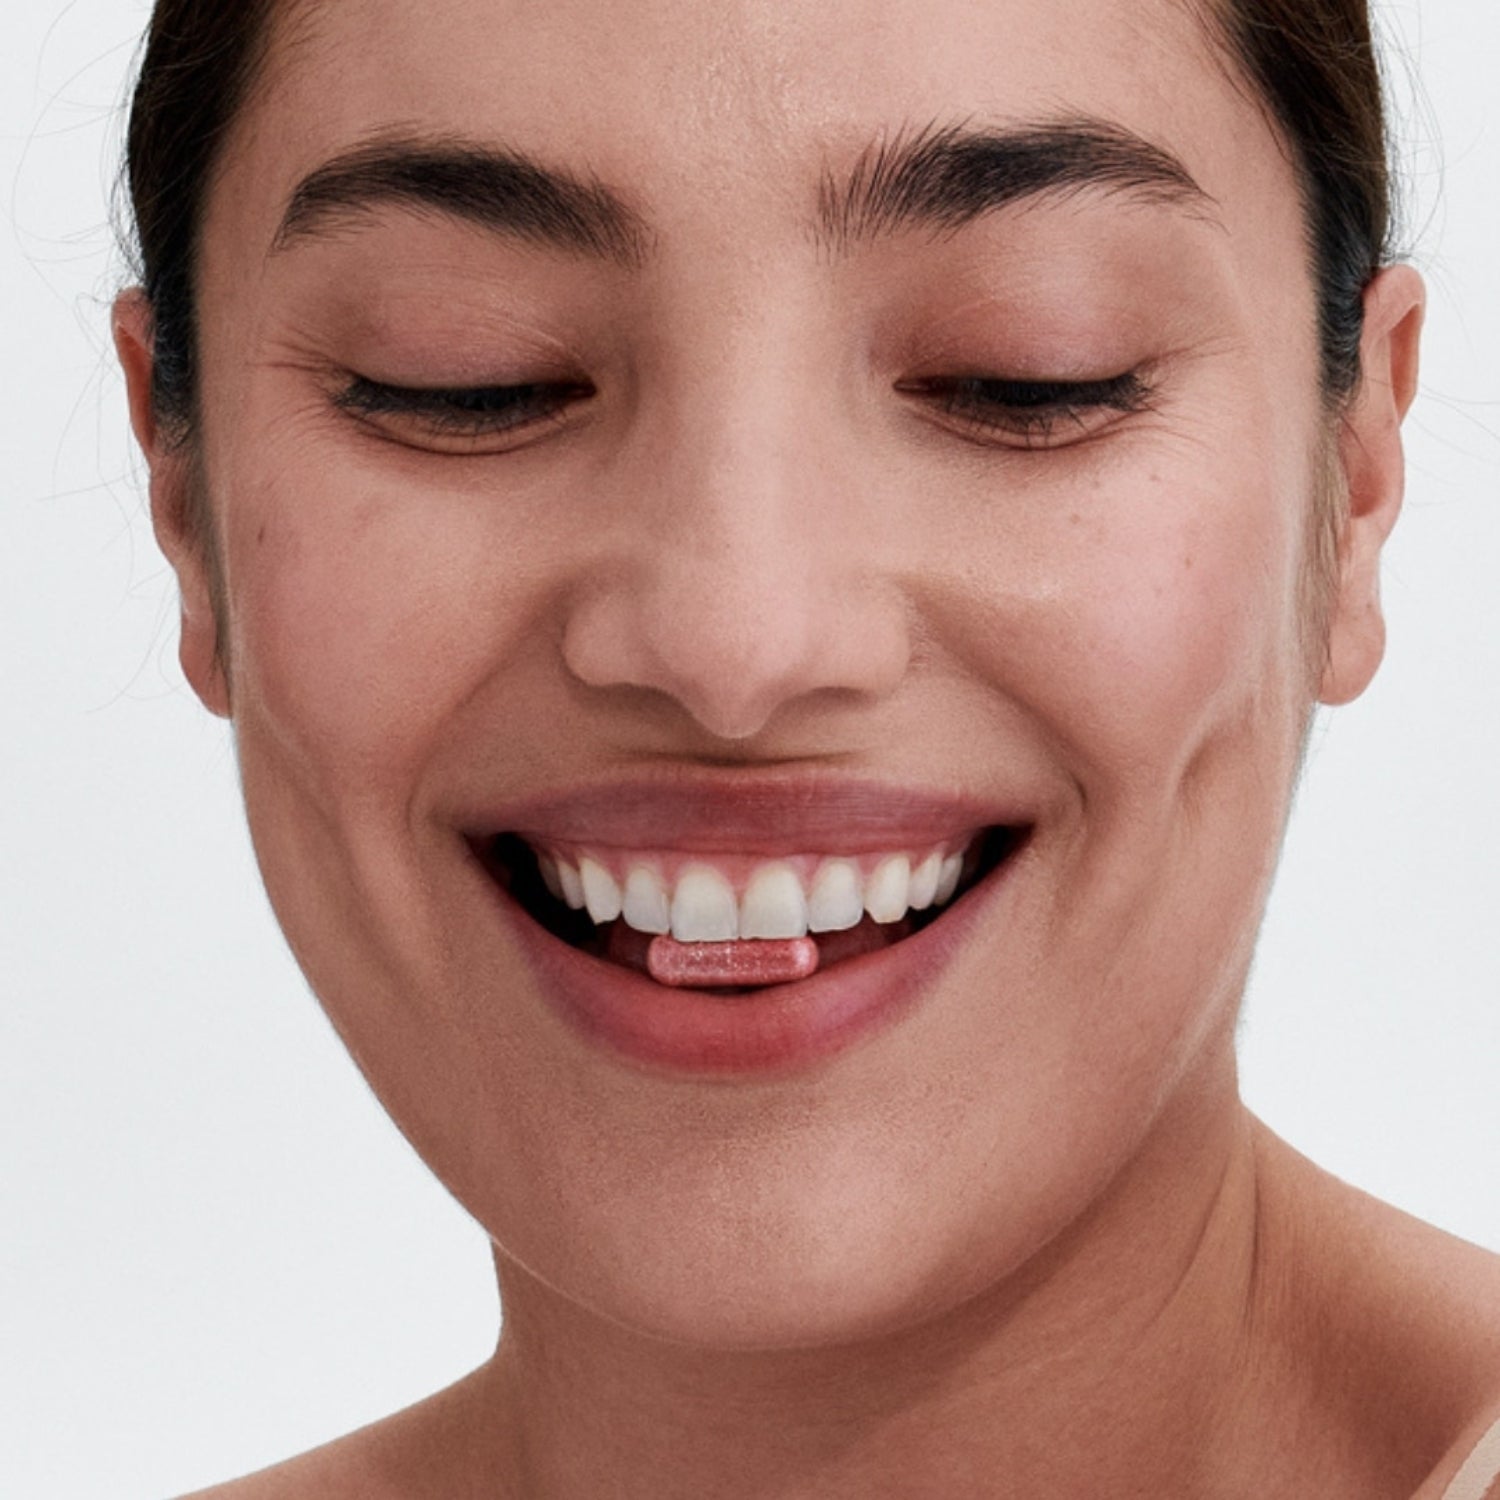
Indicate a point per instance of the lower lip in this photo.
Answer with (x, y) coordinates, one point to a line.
(781, 1027)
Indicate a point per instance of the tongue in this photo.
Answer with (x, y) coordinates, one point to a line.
(746, 963)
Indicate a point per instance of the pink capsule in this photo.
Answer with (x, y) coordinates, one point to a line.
(744, 961)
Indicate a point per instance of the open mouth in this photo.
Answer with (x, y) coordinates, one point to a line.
(517, 868)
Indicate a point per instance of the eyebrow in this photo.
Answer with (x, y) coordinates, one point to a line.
(940, 178)
(508, 192)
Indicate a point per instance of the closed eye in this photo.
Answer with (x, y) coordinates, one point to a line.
(1033, 413)
(458, 418)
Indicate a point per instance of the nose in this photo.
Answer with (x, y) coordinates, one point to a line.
(743, 573)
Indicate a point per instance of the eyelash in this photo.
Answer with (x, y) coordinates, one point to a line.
(1032, 410)
(479, 411)
(1028, 410)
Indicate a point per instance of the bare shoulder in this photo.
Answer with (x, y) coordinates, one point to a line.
(1454, 1344)
(315, 1473)
(344, 1469)
(1428, 1288)
(415, 1454)
(1401, 1320)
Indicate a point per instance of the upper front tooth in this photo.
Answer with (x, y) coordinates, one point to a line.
(887, 888)
(601, 891)
(703, 907)
(774, 906)
(837, 901)
(646, 907)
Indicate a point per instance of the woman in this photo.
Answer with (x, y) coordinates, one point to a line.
(770, 566)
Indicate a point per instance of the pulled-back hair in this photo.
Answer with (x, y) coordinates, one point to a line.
(1311, 63)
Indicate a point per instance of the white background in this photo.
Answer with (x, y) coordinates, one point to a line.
(214, 1249)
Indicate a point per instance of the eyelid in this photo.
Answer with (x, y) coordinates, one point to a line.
(367, 394)
(1004, 411)
(468, 411)
(1025, 413)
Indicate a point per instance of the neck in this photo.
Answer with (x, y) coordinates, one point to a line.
(1096, 1370)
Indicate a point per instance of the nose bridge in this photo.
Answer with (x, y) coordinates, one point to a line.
(739, 481)
(745, 583)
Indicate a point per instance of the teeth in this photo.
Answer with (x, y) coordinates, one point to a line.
(948, 878)
(924, 881)
(886, 890)
(837, 901)
(703, 907)
(550, 878)
(646, 907)
(571, 884)
(601, 893)
(774, 906)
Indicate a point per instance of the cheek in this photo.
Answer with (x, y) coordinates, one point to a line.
(1153, 607)
(1149, 624)
(366, 612)
(1182, 606)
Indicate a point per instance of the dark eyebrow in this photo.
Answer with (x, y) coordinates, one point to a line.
(940, 178)
(498, 189)
(945, 178)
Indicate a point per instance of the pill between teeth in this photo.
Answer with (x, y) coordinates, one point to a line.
(743, 961)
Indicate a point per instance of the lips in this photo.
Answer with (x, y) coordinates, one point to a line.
(768, 1030)
(596, 974)
(731, 824)
(764, 813)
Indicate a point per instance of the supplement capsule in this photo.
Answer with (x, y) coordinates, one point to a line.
(744, 961)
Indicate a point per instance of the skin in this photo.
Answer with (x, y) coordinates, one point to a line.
(1028, 1242)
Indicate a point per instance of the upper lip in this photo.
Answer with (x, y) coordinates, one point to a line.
(749, 812)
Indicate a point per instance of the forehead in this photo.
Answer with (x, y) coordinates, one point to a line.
(734, 108)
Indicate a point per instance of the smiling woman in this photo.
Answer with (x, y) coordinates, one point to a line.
(771, 567)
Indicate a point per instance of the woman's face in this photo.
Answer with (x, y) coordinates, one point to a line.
(758, 534)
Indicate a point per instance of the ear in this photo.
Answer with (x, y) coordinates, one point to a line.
(1375, 474)
(172, 499)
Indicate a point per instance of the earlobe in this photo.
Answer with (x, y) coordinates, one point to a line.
(1373, 463)
(172, 505)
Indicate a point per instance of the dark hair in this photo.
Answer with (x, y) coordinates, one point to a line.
(1312, 65)
(201, 60)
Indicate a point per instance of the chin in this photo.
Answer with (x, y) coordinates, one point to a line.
(792, 1258)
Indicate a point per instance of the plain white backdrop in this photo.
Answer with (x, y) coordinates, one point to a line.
(214, 1249)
